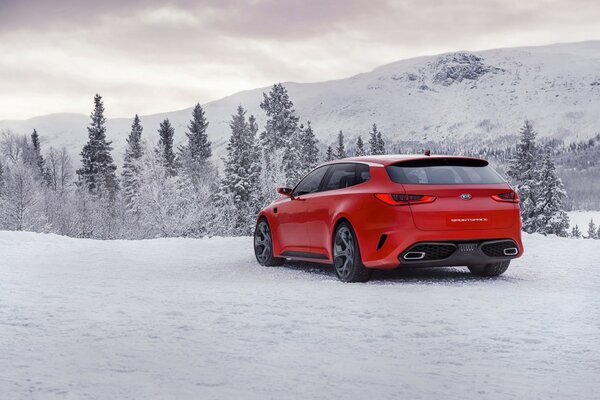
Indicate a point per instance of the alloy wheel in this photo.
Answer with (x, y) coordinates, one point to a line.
(343, 252)
(262, 242)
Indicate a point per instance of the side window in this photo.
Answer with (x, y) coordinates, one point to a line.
(311, 182)
(346, 175)
(362, 173)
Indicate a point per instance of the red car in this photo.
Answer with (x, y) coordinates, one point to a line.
(385, 212)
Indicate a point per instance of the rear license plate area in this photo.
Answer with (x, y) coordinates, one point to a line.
(467, 248)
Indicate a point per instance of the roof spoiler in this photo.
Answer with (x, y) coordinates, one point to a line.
(443, 161)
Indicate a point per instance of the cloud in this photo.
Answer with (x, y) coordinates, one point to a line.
(152, 56)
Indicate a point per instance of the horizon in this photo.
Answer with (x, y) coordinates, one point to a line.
(148, 57)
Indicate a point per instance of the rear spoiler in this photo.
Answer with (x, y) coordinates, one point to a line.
(442, 161)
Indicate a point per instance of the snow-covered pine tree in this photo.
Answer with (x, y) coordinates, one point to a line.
(310, 151)
(524, 172)
(37, 155)
(575, 232)
(329, 154)
(241, 176)
(131, 163)
(376, 142)
(340, 150)
(360, 147)
(550, 214)
(97, 173)
(257, 198)
(195, 154)
(380, 142)
(592, 233)
(280, 140)
(282, 121)
(165, 146)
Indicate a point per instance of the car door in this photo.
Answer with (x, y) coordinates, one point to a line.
(292, 213)
(325, 204)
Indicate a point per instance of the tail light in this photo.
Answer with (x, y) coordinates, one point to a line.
(404, 199)
(509, 197)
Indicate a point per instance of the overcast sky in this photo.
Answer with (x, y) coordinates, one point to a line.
(154, 56)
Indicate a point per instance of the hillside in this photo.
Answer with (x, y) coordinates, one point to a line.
(456, 95)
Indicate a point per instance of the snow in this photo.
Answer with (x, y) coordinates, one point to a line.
(582, 219)
(200, 319)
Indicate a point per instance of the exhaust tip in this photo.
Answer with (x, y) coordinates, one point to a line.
(511, 251)
(414, 255)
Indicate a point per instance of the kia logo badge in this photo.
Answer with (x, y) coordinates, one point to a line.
(465, 196)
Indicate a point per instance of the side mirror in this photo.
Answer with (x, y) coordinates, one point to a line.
(284, 191)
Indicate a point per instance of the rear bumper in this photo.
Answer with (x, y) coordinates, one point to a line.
(468, 247)
(459, 253)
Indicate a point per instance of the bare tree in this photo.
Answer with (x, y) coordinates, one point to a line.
(60, 169)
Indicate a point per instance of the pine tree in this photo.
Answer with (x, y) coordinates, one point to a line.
(591, 233)
(198, 150)
(37, 154)
(575, 232)
(310, 151)
(1, 178)
(550, 215)
(522, 167)
(329, 154)
(280, 140)
(241, 175)
(340, 151)
(257, 200)
(380, 143)
(131, 163)
(524, 171)
(360, 147)
(165, 146)
(97, 172)
(376, 143)
(282, 122)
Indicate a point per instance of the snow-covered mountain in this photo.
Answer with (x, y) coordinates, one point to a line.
(472, 95)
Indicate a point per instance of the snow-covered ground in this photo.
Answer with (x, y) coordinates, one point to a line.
(582, 219)
(199, 319)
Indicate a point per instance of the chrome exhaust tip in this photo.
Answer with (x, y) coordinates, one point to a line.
(511, 251)
(414, 255)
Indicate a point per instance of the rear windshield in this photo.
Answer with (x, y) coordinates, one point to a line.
(444, 171)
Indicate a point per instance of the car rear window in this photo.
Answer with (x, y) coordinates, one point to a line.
(444, 171)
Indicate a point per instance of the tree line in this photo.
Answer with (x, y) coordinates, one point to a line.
(167, 191)
(163, 191)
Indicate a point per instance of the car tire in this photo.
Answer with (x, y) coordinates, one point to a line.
(493, 269)
(346, 255)
(263, 245)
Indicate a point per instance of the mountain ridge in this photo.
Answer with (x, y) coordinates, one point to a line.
(461, 95)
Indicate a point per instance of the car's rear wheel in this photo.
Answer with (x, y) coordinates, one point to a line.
(493, 269)
(263, 245)
(346, 256)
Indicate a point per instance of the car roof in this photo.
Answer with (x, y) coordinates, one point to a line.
(388, 159)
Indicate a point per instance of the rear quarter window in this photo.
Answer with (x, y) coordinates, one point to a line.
(345, 175)
(444, 171)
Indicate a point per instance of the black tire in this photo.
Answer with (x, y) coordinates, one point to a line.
(263, 245)
(493, 269)
(346, 256)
